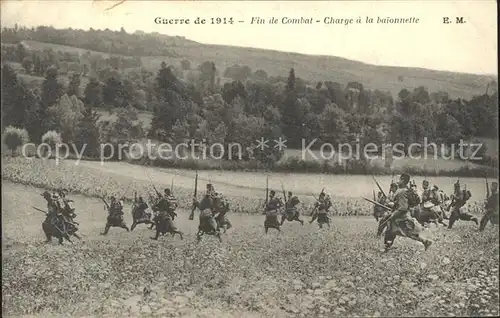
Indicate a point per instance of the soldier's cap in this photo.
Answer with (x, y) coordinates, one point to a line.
(289, 192)
(322, 194)
(272, 192)
(494, 184)
(405, 177)
(425, 182)
(435, 187)
(209, 185)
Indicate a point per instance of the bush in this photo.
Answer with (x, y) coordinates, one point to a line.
(15, 137)
(52, 138)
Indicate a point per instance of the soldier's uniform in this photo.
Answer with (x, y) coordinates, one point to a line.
(491, 208)
(322, 206)
(115, 216)
(221, 207)
(272, 211)
(400, 222)
(291, 212)
(140, 208)
(459, 200)
(206, 213)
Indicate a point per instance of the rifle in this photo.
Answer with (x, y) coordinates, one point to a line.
(106, 203)
(284, 193)
(191, 216)
(267, 189)
(379, 204)
(378, 185)
(374, 197)
(172, 186)
(66, 236)
(40, 210)
(487, 188)
(322, 191)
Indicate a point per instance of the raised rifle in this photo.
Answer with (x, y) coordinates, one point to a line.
(283, 190)
(378, 185)
(487, 187)
(106, 203)
(191, 216)
(172, 186)
(267, 189)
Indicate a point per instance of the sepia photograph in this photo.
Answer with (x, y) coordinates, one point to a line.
(249, 158)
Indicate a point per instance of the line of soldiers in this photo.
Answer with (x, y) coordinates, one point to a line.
(163, 207)
(291, 213)
(406, 206)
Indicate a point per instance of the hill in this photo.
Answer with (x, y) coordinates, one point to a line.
(308, 67)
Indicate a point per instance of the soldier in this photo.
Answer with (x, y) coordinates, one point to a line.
(459, 199)
(115, 216)
(166, 214)
(207, 220)
(491, 208)
(54, 213)
(291, 211)
(392, 192)
(321, 207)
(139, 212)
(426, 193)
(271, 212)
(400, 221)
(221, 207)
(210, 190)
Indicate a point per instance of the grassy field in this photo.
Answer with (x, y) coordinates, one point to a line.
(312, 68)
(302, 272)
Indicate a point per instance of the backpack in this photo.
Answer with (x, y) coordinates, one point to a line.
(413, 198)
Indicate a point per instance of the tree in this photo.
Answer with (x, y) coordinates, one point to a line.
(333, 126)
(74, 86)
(27, 64)
(93, 93)
(17, 99)
(260, 75)
(52, 90)
(52, 138)
(66, 115)
(87, 133)
(20, 52)
(14, 138)
(185, 65)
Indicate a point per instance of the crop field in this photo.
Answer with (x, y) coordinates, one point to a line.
(304, 271)
(245, 189)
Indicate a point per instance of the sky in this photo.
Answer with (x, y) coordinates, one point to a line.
(468, 48)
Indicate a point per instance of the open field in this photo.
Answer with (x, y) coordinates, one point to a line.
(312, 68)
(302, 272)
(245, 190)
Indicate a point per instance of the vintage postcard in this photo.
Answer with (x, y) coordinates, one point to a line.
(249, 158)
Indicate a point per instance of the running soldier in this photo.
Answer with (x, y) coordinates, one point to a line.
(491, 208)
(271, 211)
(140, 212)
(400, 221)
(321, 210)
(164, 220)
(220, 209)
(291, 212)
(458, 200)
(115, 216)
(208, 223)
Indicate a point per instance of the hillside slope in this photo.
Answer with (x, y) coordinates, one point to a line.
(309, 67)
